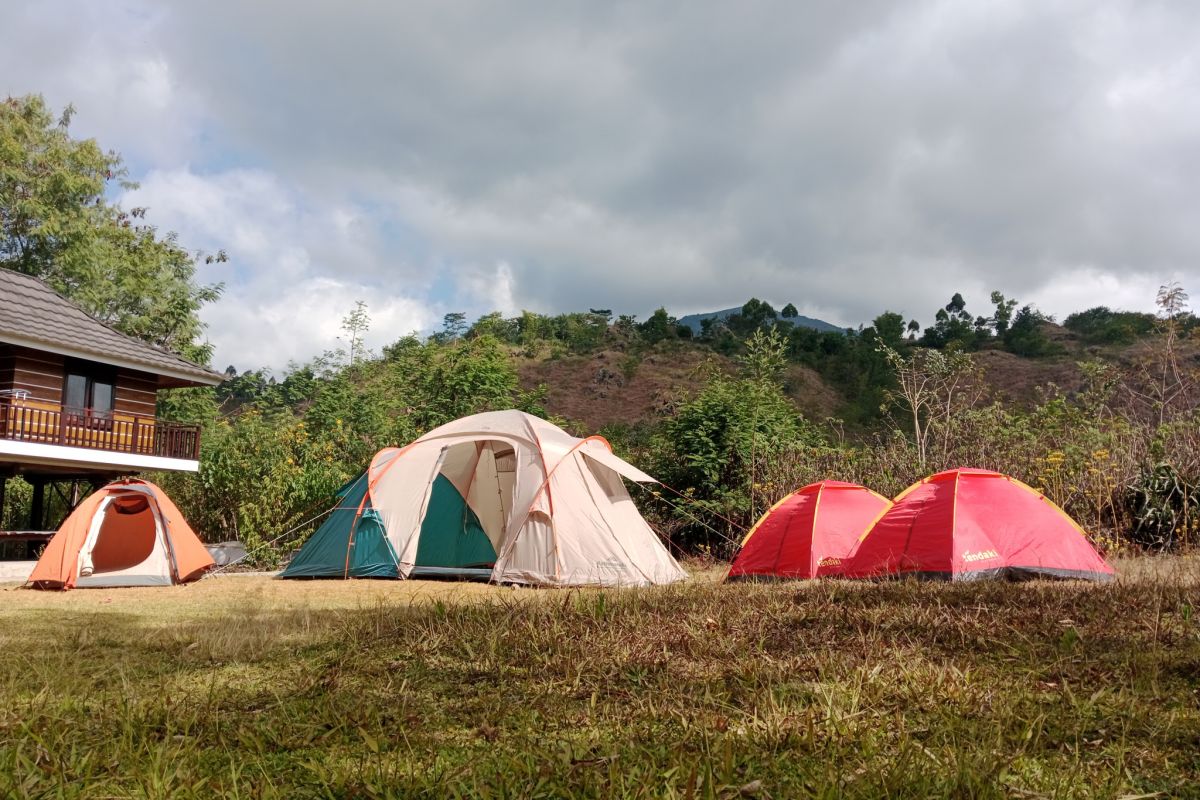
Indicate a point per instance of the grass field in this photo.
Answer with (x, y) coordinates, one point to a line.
(251, 687)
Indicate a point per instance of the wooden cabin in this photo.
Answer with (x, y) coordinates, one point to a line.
(78, 400)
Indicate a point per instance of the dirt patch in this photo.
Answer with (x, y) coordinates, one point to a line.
(816, 399)
(1018, 380)
(612, 387)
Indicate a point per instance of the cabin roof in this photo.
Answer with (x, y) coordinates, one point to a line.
(34, 315)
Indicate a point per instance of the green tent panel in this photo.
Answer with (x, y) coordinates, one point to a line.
(324, 555)
(451, 538)
(451, 535)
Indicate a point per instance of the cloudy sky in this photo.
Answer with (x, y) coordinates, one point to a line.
(443, 156)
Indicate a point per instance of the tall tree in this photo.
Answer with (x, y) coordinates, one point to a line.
(356, 324)
(889, 327)
(58, 224)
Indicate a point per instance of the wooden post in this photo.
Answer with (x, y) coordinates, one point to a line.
(37, 509)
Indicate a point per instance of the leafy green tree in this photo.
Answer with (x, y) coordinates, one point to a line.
(496, 326)
(953, 326)
(57, 224)
(1102, 325)
(1026, 336)
(454, 326)
(754, 315)
(714, 442)
(431, 383)
(889, 327)
(659, 326)
(789, 312)
(1002, 316)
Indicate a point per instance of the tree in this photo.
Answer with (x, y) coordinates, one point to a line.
(953, 326)
(356, 324)
(1159, 384)
(931, 383)
(57, 224)
(1026, 335)
(755, 314)
(454, 325)
(1102, 325)
(495, 325)
(789, 312)
(889, 327)
(438, 382)
(1003, 313)
(711, 444)
(659, 326)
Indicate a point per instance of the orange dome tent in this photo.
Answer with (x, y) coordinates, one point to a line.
(128, 533)
(968, 524)
(809, 533)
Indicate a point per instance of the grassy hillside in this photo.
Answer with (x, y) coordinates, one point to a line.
(621, 387)
(615, 388)
(244, 687)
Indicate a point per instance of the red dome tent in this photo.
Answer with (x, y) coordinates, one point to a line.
(809, 533)
(968, 524)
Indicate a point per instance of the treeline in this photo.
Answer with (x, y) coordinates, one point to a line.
(1120, 455)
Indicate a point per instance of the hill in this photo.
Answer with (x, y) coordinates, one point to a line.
(693, 321)
(613, 388)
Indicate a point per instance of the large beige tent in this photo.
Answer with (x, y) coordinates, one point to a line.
(503, 495)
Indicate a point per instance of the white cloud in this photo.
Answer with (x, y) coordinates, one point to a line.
(296, 321)
(847, 157)
(1084, 288)
(296, 266)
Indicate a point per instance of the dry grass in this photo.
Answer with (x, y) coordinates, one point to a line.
(247, 687)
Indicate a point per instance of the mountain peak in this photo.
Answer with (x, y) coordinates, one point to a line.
(693, 321)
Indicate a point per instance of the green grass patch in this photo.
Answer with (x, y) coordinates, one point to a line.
(701, 690)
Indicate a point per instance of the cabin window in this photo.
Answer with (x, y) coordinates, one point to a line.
(89, 392)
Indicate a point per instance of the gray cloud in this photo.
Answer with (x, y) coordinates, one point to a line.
(845, 156)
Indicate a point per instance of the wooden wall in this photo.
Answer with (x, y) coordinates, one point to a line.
(42, 375)
(136, 393)
(39, 373)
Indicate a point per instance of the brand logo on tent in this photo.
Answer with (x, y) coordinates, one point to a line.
(982, 555)
(829, 561)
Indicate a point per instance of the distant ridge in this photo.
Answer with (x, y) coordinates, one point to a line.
(693, 321)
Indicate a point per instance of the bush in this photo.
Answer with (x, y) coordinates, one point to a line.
(1101, 325)
(1165, 509)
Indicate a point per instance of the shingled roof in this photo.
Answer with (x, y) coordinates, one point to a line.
(34, 315)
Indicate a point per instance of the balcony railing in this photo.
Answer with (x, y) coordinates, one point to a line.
(46, 423)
